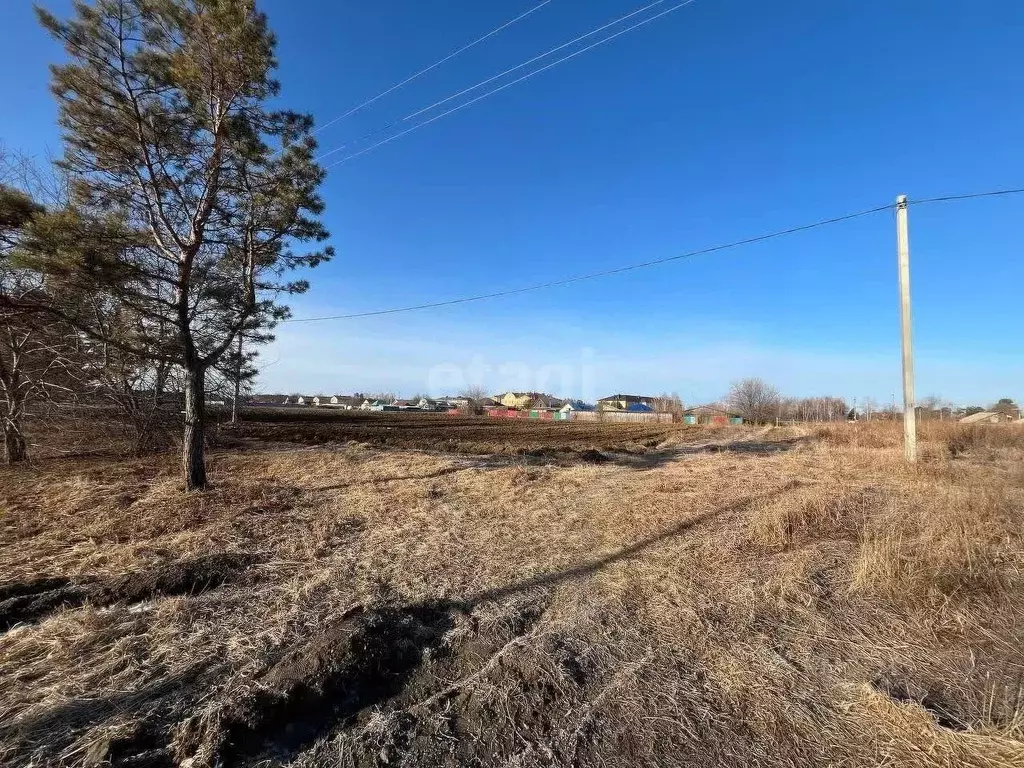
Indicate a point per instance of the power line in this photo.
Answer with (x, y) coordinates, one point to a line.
(503, 87)
(971, 196)
(435, 65)
(411, 115)
(603, 273)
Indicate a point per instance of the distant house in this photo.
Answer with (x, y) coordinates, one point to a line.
(262, 400)
(577, 406)
(639, 408)
(987, 417)
(546, 402)
(531, 400)
(432, 404)
(348, 402)
(514, 399)
(345, 402)
(623, 402)
(303, 400)
(710, 414)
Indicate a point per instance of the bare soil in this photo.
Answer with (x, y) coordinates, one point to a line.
(458, 434)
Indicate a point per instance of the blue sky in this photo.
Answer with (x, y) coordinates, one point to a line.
(720, 121)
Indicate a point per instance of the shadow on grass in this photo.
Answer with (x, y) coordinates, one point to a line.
(367, 658)
(658, 458)
(585, 569)
(155, 703)
(395, 479)
(364, 659)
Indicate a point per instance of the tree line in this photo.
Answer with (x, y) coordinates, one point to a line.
(758, 401)
(181, 206)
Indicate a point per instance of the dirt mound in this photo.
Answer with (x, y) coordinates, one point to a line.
(144, 747)
(32, 587)
(183, 577)
(566, 456)
(31, 601)
(384, 671)
(366, 657)
(593, 456)
(34, 600)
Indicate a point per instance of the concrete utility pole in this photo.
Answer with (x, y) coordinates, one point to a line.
(909, 409)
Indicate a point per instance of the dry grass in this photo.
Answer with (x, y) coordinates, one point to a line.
(722, 598)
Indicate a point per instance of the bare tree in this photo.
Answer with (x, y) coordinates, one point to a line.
(39, 358)
(870, 407)
(930, 407)
(754, 399)
(475, 395)
(670, 403)
(824, 408)
(38, 363)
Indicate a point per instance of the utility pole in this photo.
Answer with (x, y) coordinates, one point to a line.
(909, 409)
(238, 381)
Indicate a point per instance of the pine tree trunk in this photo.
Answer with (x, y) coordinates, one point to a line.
(192, 460)
(14, 443)
(238, 382)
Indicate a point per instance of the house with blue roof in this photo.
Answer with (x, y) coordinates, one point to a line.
(623, 403)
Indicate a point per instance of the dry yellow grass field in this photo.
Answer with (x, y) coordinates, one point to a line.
(733, 597)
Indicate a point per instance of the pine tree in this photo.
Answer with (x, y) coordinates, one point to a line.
(167, 132)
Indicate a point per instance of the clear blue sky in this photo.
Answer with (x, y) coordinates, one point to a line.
(723, 120)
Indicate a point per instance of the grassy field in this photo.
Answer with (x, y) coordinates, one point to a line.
(421, 591)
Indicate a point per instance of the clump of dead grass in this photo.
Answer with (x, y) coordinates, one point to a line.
(949, 541)
(818, 511)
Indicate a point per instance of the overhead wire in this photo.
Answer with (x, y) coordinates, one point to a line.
(433, 66)
(655, 262)
(601, 273)
(969, 196)
(493, 91)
